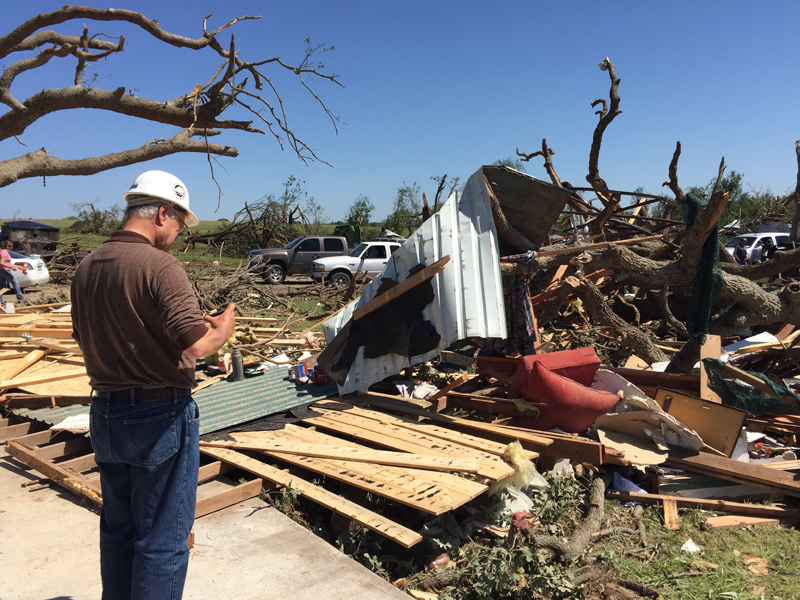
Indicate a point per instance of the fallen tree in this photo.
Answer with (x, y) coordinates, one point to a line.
(668, 272)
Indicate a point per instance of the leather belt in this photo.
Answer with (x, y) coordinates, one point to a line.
(144, 395)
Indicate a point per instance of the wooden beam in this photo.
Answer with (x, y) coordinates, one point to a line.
(378, 457)
(36, 332)
(14, 431)
(754, 381)
(78, 444)
(211, 470)
(710, 349)
(43, 401)
(239, 493)
(741, 508)
(438, 400)
(604, 245)
(31, 307)
(74, 482)
(405, 407)
(730, 521)
(56, 347)
(401, 288)
(671, 519)
(373, 521)
(733, 470)
(35, 379)
(19, 366)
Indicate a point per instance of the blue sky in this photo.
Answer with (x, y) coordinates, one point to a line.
(443, 87)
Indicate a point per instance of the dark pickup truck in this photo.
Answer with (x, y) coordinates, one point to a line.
(295, 258)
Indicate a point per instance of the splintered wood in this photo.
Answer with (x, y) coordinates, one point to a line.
(417, 464)
(39, 355)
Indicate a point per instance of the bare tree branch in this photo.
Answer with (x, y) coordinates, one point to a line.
(198, 111)
(39, 163)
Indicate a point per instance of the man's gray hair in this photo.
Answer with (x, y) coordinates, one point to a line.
(142, 207)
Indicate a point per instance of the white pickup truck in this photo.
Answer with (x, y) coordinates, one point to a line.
(366, 259)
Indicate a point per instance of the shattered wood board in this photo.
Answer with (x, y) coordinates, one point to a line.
(468, 293)
(428, 491)
(53, 365)
(374, 521)
(230, 403)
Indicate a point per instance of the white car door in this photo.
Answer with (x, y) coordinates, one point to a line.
(373, 260)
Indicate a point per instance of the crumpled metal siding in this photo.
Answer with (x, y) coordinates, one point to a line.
(468, 294)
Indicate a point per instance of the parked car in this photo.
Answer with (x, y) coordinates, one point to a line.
(368, 258)
(780, 240)
(295, 258)
(37, 273)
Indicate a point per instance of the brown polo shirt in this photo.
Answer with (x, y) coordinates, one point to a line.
(134, 312)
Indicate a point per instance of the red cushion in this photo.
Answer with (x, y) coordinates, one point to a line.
(579, 365)
(571, 406)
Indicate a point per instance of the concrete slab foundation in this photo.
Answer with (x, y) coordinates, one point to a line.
(49, 551)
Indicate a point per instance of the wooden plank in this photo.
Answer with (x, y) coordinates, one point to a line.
(438, 400)
(31, 307)
(730, 521)
(3, 423)
(212, 470)
(34, 379)
(373, 521)
(37, 438)
(256, 319)
(418, 494)
(72, 349)
(785, 331)
(74, 482)
(64, 448)
(671, 519)
(43, 400)
(497, 406)
(20, 365)
(487, 448)
(13, 431)
(405, 407)
(79, 464)
(349, 453)
(712, 348)
(462, 489)
(239, 493)
(36, 332)
(754, 381)
(408, 441)
(603, 245)
(719, 426)
(741, 508)
(401, 288)
(654, 378)
(733, 470)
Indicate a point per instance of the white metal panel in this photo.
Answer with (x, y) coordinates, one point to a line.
(468, 293)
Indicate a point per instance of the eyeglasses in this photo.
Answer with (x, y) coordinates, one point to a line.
(183, 227)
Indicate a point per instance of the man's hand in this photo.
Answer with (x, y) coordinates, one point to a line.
(220, 329)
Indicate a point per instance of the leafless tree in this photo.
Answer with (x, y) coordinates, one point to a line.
(655, 266)
(197, 113)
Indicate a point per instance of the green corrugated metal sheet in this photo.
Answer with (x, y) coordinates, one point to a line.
(224, 404)
(230, 403)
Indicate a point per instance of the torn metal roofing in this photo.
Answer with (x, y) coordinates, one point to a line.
(530, 204)
(468, 293)
(224, 404)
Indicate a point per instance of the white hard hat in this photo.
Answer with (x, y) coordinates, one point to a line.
(161, 186)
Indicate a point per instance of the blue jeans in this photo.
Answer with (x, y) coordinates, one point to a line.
(148, 455)
(8, 278)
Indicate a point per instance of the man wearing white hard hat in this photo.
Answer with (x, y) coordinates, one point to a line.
(140, 328)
